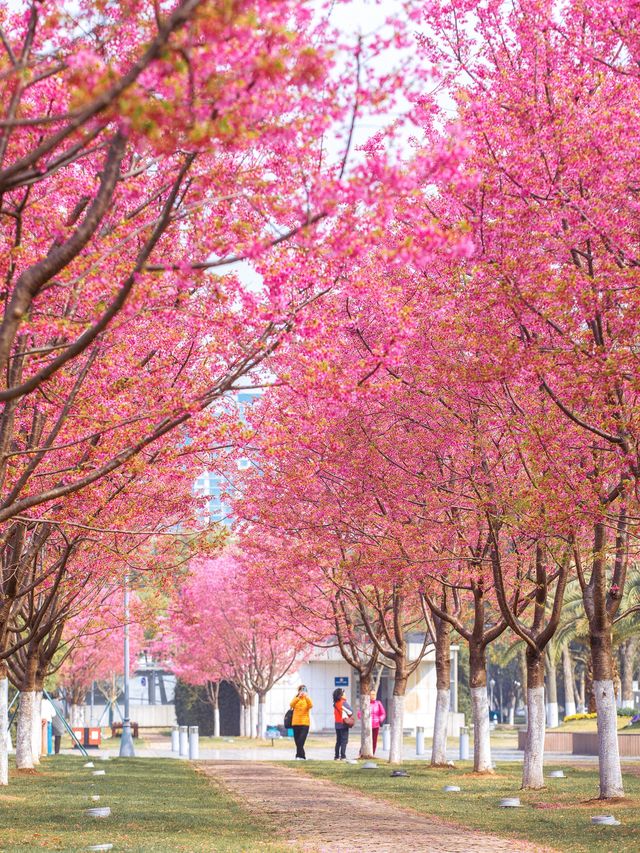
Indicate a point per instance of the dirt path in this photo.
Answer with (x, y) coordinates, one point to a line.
(318, 815)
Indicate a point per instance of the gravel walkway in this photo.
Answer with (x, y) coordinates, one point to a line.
(316, 815)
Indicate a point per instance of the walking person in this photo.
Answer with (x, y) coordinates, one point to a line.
(378, 716)
(343, 716)
(57, 725)
(301, 704)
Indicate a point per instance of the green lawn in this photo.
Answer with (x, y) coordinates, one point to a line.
(558, 816)
(157, 805)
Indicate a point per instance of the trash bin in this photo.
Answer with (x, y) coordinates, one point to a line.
(89, 736)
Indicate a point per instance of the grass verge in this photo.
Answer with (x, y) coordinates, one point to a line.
(157, 804)
(557, 817)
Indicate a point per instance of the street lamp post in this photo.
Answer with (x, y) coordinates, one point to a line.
(126, 742)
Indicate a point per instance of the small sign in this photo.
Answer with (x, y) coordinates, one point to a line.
(341, 680)
(143, 681)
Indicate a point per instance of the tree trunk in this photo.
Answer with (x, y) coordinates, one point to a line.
(243, 720)
(609, 756)
(249, 712)
(24, 735)
(553, 719)
(213, 692)
(582, 689)
(4, 725)
(567, 677)
(533, 769)
(605, 703)
(76, 716)
(627, 663)
(443, 696)
(366, 736)
(262, 726)
(602, 672)
(480, 709)
(397, 715)
(36, 727)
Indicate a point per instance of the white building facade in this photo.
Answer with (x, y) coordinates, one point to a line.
(327, 670)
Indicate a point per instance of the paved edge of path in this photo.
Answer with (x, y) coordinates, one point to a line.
(314, 815)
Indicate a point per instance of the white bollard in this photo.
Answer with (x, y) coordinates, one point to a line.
(464, 743)
(184, 742)
(175, 739)
(419, 740)
(386, 737)
(194, 743)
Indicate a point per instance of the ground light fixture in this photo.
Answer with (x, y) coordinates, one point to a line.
(605, 820)
(98, 812)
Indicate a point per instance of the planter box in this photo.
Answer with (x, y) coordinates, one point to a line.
(553, 741)
(584, 743)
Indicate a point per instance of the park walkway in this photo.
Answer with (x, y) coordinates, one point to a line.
(316, 815)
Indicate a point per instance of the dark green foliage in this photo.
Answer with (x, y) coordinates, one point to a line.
(194, 709)
(464, 694)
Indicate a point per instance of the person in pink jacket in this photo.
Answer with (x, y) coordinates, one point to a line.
(378, 716)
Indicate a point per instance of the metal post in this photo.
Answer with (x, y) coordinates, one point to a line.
(126, 741)
(464, 743)
(175, 739)
(386, 737)
(183, 742)
(194, 743)
(419, 740)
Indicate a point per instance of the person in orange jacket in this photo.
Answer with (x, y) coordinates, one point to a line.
(301, 705)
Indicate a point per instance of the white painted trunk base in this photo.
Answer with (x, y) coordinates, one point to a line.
(396, 721)
(4, 725)
(481, 730)
(253, 726)
(243, 721)
(608, 754)
(570, 708)
(533, 769)
(247, 722)
(24, 733)
(36, 723)
(440, 723)
(366, 735)
(216, 722)
(553, 717)
(262, 729)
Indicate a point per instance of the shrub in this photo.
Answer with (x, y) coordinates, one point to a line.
(580, 717)
(626, 712)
